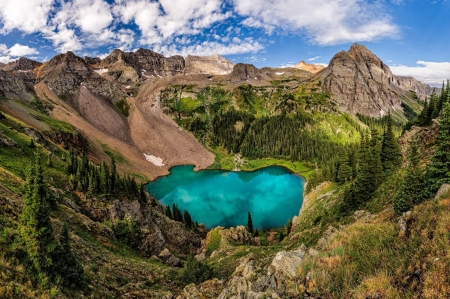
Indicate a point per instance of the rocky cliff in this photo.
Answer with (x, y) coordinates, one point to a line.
(244, 72)
(411, 84)
(127, 67)
(211, 65)
(21, 64)
(312, 68)
(361, 83)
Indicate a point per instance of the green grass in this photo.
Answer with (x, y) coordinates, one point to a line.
(214, 242)
(56, 125)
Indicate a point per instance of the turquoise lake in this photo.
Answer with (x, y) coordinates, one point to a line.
(217, 197)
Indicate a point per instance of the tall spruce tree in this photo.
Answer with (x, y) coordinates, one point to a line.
(35, 229)
(439, 170)
(390, 151)
(249, 223)
(345, 170)
(411, 189)
(68, 267)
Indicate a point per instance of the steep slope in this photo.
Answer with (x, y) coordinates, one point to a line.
(361, 83)
(211, 65)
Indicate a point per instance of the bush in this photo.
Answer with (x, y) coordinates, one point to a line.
(195, 271)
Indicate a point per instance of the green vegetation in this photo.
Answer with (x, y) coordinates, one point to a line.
(123, 106)
(214, 242)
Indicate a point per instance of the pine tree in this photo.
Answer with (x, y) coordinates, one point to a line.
(411, 189)
(36, 231)
(142, 197)
(31, 144)
(249, 223)
(104, 177)
(439, 169)
(67, 266)
(113, 174)
(2, 117)
(390, 151)
(187, 219)
(345, 171)
(167, 212)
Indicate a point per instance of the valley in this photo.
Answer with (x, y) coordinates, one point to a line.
(81, 137)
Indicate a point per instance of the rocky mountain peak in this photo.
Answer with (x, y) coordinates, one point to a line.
(312, 68)
(361, 83)
(22, 64)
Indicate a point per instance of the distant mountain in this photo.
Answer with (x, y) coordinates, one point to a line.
(312, 68)
(360, 82)
(212, 65)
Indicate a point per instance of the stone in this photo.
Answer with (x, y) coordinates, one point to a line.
(444, 191)
(312, 68)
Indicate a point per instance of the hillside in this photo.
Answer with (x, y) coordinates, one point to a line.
(80, 136)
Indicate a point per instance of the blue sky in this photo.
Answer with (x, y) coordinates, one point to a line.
(411, 36)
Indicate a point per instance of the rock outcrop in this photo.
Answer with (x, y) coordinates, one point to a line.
(21, 64)
(126, 67)
(411, 84)
(244, 72)
(312, 68)
(361, 83)
(211, 65)
(11, 87)
(234, 235)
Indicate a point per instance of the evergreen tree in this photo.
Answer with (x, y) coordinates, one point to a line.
(35, 229)
(390, 151)
(410, 191)
(256, 233)
(104, 177)
(423, 119)
(2, 117)
(288, 227)
(114, 175)
(345, 170)
(249, 223)
(439, 169)
(167, 212)
(187, 219)
(31, 144)
(142, 197)
(67, 265)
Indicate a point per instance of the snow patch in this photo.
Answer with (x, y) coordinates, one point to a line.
(157, 161)
(128, 86)
(279, 73)
(101, 71)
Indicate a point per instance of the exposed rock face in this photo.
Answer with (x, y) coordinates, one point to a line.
(160, 232)
(211, 65)
(11, 86)
(92, 61)
(410, 84)
(127, 67)
(312, 68)
(21, 64)
(361, 83)
(244, 72)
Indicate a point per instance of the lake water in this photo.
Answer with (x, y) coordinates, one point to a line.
(217, 197)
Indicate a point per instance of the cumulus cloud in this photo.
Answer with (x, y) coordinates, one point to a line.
(16, 51)
(325, 22)
(25, 15)
(159, 21)
(209, 48)
(126, 24)
(432, 73)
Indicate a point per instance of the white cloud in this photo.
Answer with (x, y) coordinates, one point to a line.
(160, 21)
(325, 22)
(432, 73)
(25, 15)
(91, 16)
(19, 50)
(209, 48)
(314, 58)
(63, 38)
(16, 51)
